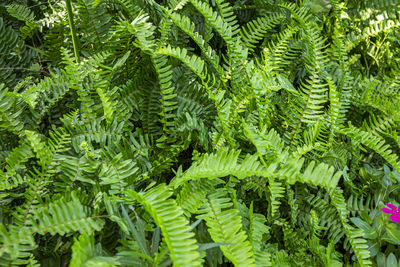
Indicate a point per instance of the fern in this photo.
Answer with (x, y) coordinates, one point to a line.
(358, 244)
(84, 253)
(256, 29)
(186, 25)
(226, 163)
(373, 142)
(225, 227)
(168, 105)
(250, 111)
(18, 156)
(63, 217)
(217, 22)
(20, 12)
(169, 217)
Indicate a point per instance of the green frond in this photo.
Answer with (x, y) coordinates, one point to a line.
(42, 151)
(47, 155)
(255, 30)
(186, 25)
(193, 62)
(208, 133)
(375, 143)
(265, 142)
(225, 226)
(226, 162)
(143, 31)
(372, 30)
(97, 131)
(167, 90)
(216, 21)
(177, 4)
(15, 160)
(335, 117)
(276, 191)
(108, 105)
(174, 226)
(193, 195)
(94, 19)
(278, 50)
(59, 217)
(131, 9)
(62, 217)
(228, 15)
(8, 118)
(258, 229)
(20, 12)
(354, 235)
(15, 57)
(85, 253)
(15, 245)
(309, 107)
(378, 125)
(117, 173)
(74, 170)
(385, 4)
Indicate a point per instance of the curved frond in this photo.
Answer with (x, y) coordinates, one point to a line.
(225, 226)
(174, 226)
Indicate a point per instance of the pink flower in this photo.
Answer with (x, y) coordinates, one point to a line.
(395, 217)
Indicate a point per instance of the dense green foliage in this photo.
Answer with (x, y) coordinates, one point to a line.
(199, 132)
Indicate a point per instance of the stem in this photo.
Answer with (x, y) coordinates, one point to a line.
(75, 40)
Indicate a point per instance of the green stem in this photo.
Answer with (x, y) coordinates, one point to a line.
(75, 40)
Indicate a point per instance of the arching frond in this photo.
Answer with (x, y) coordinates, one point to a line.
(174, 226)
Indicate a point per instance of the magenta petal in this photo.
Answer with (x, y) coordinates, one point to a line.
(386, 210)
(391, 206)
(395, 217)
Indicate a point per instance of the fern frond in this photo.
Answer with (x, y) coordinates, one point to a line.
(278, 50)
(226, 162)
(15, 245)
(168, 96)
(97, 131)
(108, 105)
(47, 157)
(216, 21)
(186, 25)
(8, 118)
(84, 253)
(372, 30)
(225, 226)
(117, 174)
(62, 217)
(20, 12)
(13, 53)
(336, 119)
(193, 195)
(258, 229)
(193, 62)
(96, 22)
(255, 30)
(42, 151)
(174, 226)
(312, 89)
(375, 143)
(227, 13)
(10, 178)
(354, 235)
(265, 142)
(143, 31)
